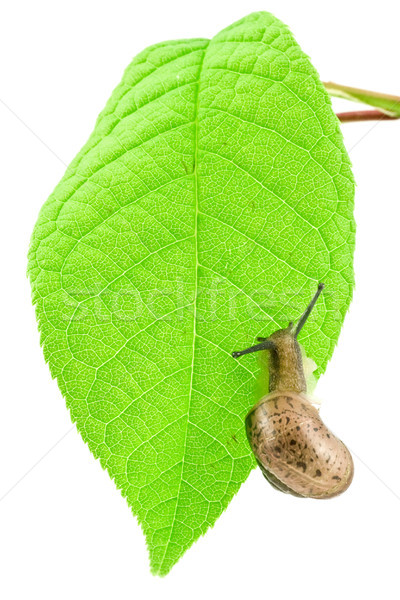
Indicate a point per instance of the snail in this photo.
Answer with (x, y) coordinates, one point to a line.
(295, 450)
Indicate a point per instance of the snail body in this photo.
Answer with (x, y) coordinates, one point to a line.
(295, 450)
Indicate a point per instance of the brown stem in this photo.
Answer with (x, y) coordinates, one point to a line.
(364, 115)
(386, 103)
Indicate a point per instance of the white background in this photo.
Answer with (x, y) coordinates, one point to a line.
(65, 532)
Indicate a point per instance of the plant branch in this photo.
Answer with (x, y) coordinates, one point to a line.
(386, 104)
(364, 115)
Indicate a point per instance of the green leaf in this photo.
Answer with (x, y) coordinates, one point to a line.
(212, 196)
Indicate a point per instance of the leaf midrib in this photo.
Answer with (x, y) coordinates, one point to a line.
(196, 218)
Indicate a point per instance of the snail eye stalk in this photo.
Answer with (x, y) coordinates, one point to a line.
(265, 345)
(308, 310)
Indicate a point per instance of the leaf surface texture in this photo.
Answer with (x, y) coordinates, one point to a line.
(212, 196)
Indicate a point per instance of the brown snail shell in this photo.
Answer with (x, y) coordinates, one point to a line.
(297, 453)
